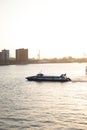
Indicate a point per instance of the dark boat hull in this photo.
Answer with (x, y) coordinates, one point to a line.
(48, 79)
(37, 80)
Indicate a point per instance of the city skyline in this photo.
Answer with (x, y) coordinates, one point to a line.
(21, 57)
(38, 56)
(57, 28)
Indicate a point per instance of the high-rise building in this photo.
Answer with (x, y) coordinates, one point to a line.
(4, 57)
(22, 55)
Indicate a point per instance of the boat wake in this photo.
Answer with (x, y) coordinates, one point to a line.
(79, 79)
(82, 81)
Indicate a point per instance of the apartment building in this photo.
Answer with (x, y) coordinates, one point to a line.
(4, 57)
(22, 55)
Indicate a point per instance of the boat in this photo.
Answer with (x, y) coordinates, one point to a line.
(41, 77)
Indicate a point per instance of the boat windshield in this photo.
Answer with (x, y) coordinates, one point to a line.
(40, 74)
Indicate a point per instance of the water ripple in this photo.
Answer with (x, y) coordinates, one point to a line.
(42, 106)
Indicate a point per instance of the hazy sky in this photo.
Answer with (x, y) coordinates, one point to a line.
(57, 28)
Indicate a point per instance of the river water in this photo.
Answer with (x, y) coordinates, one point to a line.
(31, 105)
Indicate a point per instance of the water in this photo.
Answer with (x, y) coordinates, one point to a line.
(28, 105)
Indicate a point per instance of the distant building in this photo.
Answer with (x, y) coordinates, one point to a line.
(0, 57)
(4, 57)
(22, 55)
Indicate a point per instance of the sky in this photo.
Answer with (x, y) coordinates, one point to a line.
(57, 28)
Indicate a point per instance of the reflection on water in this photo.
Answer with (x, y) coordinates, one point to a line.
(43, 106)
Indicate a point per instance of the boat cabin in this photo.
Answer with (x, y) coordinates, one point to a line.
(40, 75)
